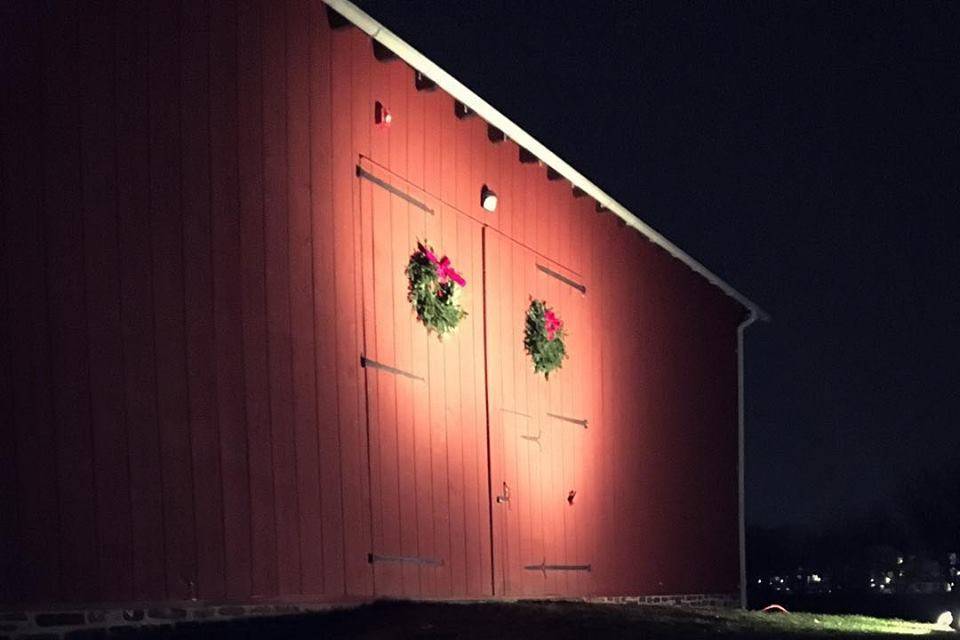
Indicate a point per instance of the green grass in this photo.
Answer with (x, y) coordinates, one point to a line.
(561, 620)
(749, 623)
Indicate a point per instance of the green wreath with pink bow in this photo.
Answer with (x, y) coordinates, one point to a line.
(543, 338)
(434, 290)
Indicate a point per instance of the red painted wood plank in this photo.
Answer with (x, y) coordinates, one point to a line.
(198, 296)
(33, 527)
(9, 552)
(136, 302)
(325, 313)
(597, 515)
(477, 513)
(416, 136)
(348, 140)
(67, 309)
(102, 274)
(168, 286)
(556, 200)
(10, 49)
(462, 155)
(540, 526)
(308, 543)
(383, 390)
(455, 435)
(529, 229)
(423, 462)
(547, 288)
(482, 487)
(406, 219)
(433, 103)
(505, 163)
(275, 508)
(377, 229)
(228, 296)
(501, 382)
(437, 530)
(468, 425)
(501, 453)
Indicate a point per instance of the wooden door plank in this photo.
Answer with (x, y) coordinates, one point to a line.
(136, 306)
(67, 308)
(228, 27)
(34, 522)
(102, 274)
(325, 312)
(198, 298)
(349, 134)
(286, 554)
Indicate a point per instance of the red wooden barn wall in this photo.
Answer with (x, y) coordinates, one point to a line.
(185, 277)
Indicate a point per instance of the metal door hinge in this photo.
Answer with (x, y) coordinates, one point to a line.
(543, 567)
(433, 562)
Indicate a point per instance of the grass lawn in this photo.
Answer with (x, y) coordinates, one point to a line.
(541, 620)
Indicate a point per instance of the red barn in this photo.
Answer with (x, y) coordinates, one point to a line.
(215, 388)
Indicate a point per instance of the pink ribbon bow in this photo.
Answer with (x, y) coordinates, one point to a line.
(444, 271)
(551, 323)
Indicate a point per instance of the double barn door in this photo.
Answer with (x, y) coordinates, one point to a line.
(477, 465)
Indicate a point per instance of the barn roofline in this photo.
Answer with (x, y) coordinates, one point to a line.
(478, 105)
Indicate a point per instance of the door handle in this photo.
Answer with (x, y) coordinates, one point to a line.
(505, 496)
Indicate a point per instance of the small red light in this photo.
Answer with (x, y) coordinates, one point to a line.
(382, 115)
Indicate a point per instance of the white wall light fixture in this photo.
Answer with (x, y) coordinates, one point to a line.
(488, 199)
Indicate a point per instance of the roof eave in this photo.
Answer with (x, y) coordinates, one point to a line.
(458, 90)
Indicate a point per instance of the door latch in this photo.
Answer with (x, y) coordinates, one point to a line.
(505, 496)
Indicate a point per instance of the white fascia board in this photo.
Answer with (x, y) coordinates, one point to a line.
(480, 106)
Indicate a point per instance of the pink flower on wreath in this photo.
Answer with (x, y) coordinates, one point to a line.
(444, 271)
(552, 324)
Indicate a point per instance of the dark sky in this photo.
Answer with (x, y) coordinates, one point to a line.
(808, 154)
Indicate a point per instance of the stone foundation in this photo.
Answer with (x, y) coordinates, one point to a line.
(724, 600)
(177, 621)
(186, 620)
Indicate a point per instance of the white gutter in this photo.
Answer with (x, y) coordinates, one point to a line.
(741, 423)
(477, 104)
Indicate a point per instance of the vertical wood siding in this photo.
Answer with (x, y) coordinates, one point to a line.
(192, 270)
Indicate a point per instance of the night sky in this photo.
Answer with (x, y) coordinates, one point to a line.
(806, 153)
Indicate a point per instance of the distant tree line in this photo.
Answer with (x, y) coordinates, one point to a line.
(923, 519)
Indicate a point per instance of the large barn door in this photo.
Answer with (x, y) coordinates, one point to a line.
(425, 401)
(539, 429)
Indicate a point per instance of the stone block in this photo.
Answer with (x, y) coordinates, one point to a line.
(87, 634)
(13, 616)
(66, 619)
(167, 613)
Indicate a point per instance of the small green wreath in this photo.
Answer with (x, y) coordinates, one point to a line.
(434, 290)
(543, 338)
